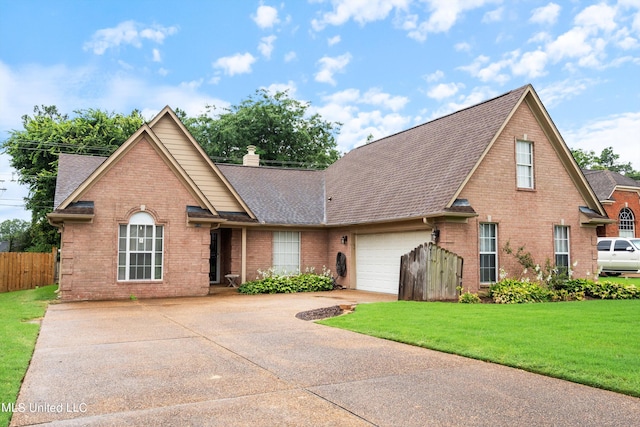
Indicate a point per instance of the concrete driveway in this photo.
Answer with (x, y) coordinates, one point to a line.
(231, 359)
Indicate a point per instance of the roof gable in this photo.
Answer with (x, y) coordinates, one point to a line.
(142, 134)
(193, 159)
(604, 182)
(178, 149)
(417, 172)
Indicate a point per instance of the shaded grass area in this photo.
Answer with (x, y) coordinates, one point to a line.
(18, 337)
(595, 342)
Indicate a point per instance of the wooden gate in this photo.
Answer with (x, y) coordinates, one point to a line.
(430, 273)
(26, 270)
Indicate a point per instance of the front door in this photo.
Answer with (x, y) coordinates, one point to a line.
(214, 258)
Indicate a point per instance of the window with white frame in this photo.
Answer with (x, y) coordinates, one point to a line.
(561, 247)
(524, 164)
(140, 249)
(626, 223)
(286, 251)
(488, 252)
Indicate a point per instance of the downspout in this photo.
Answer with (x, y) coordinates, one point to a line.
(243, 268)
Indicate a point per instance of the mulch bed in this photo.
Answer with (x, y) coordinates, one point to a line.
(321, 313)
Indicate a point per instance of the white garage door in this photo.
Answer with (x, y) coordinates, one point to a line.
(378, 258)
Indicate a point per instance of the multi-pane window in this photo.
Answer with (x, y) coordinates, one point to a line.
(286, 251)
(561, 247)
(626, 223)
(140, 249)
(488, 252)
(524, 162)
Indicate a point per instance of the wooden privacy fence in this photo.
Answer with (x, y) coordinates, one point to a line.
(429, 273)
(26, 270)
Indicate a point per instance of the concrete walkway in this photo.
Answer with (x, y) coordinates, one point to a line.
(235, 360)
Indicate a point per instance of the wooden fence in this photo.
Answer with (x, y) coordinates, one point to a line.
(26, 270)
(430, 273)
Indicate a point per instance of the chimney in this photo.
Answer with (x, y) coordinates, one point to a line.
(251, 158)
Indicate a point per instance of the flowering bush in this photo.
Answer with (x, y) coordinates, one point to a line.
(273, 283)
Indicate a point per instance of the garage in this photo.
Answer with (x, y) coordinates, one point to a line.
(378, 258)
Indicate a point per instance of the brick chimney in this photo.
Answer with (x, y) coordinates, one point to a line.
(251, 158)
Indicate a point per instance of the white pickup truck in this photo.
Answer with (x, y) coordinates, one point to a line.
(618, 255)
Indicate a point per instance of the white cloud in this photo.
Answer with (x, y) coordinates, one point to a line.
(333, 40)
(482, 69)
(352, 108)
(462, 47)
(127, 33)
(477, 95)
(553, 94)
(444, 90)
(361, 11)
(493, 16)
(546, 15)
(156, 55)
(329, 66)
(376, 97)
(266, 46)
(266, 16)
(530, 64)
(597, 17)
(240, 63)
(606, 132)
(289, 87)
(443, 15)
(290, 56)
(434, 77)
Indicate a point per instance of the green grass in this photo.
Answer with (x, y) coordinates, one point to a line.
(18, 338)
(625, 280)
(595, 342)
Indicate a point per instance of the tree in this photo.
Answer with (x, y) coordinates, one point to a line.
(280, 128)
(34, 154)
(16, 233)
(606, 160)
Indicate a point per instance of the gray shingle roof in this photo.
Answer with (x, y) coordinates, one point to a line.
(279, 195)
(604, 182)
(73, 169)
(415, 172)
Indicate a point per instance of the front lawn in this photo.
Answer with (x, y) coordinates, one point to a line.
(595, 342)
(18, 338)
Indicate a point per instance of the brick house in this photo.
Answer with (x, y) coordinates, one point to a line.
(158, 218)
(620, 197)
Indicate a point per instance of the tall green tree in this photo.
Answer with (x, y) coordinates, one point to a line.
(606, 160)
(16, 233)
(280, 127)
(34, 154)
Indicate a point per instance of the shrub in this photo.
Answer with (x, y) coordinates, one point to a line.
(275, 284)
(469, 298)
(510, 291)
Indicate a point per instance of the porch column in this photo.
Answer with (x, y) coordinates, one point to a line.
(243, 261)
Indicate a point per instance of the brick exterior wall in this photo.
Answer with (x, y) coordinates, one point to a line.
(90, 251)
(622, 199)
(524, 217)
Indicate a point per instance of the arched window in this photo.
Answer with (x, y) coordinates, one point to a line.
(140, 249)
(626, 223)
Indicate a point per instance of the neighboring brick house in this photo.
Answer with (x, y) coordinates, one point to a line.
(158, 218)
(620, 196)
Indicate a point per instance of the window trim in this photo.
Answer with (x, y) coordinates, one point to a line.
(157, 237)
(629, 222)
(558, 251)
(494, 227)
(278, 253)
(530, 165)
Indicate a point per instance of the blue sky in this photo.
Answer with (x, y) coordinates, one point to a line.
(377, 66)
